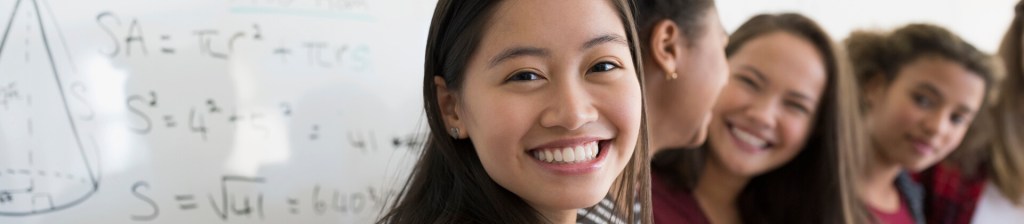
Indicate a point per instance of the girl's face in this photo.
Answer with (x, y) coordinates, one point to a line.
(680, 109)
(921, 116)
(552, 102)
(766, 111)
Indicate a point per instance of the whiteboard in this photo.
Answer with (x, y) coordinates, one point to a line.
(208, 111)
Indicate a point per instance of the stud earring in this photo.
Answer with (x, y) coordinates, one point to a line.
(454, 133)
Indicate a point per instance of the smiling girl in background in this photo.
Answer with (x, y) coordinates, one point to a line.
(535, 110)
(922, 88)
(775, 141)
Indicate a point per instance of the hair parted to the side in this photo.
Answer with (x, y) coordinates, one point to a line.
(448, 184)
(816, 186)
(876, 53)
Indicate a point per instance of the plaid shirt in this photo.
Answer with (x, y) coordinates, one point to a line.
(950, 197)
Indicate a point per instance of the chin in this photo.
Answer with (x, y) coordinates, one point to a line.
(921, 166)
(740, 167)
(573, 201)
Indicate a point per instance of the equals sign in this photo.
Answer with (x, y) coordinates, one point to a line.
(170, 121)
(186, 202)
(295, 205)
(166, 50)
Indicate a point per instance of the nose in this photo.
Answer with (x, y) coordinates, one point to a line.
(571, 107)
(761, 113)
(936, 123)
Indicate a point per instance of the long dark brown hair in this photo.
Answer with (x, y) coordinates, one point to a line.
(814, 187)
(448, 184)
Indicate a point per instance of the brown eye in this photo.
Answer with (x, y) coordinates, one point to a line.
(956, 118)
(603, 67)
(922, 101)
(523, 76)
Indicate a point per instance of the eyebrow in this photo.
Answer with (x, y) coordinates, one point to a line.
(935, 90)
(928, 87)
(522, 51)
(758, 73)
(515, 52)
(964, 109)
(801, 96)
(606, 38)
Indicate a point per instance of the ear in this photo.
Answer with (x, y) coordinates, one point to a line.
(875, 89)
(667, 46)
(449, 105)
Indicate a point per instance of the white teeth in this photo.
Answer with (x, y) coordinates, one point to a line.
(749, 138)
(568, 155)
(592, 150)
(580, 153)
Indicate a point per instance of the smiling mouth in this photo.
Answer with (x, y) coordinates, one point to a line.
(753, 142)
(921, 147)
(582, 153)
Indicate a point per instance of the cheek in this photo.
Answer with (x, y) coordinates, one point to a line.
(897, 115)
(622, 105)
(715, 78)
(720, 68)
(694, 99)
(495, 121)
(953, 139)
(713, 68)
(732, 96)
(794, 131)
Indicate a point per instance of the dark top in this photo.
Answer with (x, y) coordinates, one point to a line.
(913, 194)
(673, 204)
(951, 196)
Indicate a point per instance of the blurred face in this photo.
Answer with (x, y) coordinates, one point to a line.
(921, 116)
(552, 102)
(765, 112)
(681, 108)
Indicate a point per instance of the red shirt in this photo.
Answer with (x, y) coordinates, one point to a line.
(950, 196)
(673, 204)
(901, 216)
